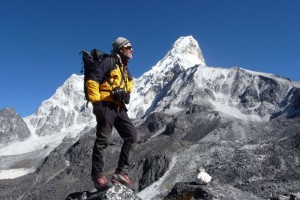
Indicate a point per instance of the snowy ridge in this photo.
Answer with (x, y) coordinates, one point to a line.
(65, 109)
(184, 54)
(181, 80)
(62, 116)
(251, 95)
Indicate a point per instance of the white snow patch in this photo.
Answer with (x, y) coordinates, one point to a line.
(39, 142)
(14, 173)
(203, 177)
(35, 143)
(156, 188)
(158, 132)
(173, 110)
(234, 112)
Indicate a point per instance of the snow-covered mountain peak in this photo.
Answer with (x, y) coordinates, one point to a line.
(65, 109)
(185, 53)
(187, 46)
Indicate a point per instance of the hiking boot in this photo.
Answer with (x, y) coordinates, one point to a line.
(102, 183)
(122, 179)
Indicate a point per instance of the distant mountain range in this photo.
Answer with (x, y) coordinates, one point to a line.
(241, 126)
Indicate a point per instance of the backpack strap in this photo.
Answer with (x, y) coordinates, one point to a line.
(112, 65)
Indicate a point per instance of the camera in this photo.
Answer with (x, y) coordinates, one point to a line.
(119, 94)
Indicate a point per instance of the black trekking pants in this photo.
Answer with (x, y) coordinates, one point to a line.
(107, 117)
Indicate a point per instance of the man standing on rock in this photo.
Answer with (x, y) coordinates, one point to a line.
(109, 90)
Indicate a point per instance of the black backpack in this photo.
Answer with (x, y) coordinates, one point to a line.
(89, 59)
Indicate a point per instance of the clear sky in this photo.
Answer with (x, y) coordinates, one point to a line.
(40, 40)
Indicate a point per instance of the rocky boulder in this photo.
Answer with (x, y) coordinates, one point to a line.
(117, 192)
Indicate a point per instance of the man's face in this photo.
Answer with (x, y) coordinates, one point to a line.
(126, 51)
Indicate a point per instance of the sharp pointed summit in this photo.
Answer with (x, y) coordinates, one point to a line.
(187, 46)
(155, 84)
(185, 53)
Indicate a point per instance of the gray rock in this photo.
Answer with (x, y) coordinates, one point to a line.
(12, 126)
(117, 192)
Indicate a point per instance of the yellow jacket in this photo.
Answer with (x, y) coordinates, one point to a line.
(102, 91)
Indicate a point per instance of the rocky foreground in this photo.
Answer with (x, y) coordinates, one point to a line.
(245, 161)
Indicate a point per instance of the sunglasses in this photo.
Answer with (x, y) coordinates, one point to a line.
(128, 47)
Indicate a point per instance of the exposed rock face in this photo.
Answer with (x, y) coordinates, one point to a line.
(291, 104)
(191, 190)
(188, 191)
(12, 127)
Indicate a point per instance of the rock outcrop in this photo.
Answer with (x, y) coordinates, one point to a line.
(12, 127)
(117, 192)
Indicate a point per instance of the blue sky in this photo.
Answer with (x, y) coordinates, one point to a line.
(40, 40)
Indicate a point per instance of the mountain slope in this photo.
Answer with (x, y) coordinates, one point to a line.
(62, 116)
(12, 127)
(241, 126)
(186, 83)
(64, 110)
